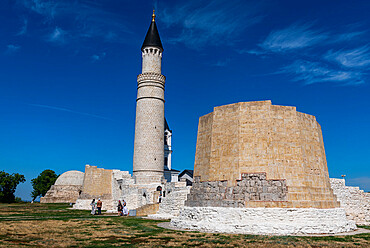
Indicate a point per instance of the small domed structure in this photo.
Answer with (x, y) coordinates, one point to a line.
(66, 189)
(70, 178)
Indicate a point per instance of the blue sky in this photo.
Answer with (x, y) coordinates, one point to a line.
(68, 76)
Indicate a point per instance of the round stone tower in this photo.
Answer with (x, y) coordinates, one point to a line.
(149, 124)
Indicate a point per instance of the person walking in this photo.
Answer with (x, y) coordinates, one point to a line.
(120, 208)
(93, 207)
(99, 204)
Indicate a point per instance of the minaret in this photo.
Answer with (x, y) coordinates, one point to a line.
(149, 124)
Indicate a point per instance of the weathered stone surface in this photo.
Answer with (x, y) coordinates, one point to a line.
(66, 189)
(276, 221)
(252, 187)
(356, 202)
(255, 137)
(175, 194)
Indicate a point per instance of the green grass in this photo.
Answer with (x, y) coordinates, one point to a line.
(113, 231)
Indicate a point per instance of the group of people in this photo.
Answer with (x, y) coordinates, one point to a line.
(122, 208)
(97, 205)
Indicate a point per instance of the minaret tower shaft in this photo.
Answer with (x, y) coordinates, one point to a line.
(149, 125)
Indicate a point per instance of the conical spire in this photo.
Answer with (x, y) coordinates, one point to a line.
(152, 37)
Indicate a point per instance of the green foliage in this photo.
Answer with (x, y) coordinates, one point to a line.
(42, 183)
(8, 184)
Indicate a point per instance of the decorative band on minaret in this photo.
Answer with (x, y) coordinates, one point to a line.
(149, 124)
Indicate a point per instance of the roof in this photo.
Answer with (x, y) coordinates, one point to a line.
(166, 127)
(172, 170)
(189, 172)
(152, 37)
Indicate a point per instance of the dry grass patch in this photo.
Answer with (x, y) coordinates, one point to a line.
(53, 225)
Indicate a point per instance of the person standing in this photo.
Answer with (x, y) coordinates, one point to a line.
(93, 207)
(124, 209)
(120, 208)
(99, 204)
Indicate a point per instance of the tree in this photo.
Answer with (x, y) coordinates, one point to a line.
(42, 183)
(8, 185)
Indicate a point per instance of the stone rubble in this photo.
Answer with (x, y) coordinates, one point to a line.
(356, 202)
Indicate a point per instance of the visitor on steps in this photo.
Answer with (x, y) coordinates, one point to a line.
(120, 208)
(99, 204)
(93, 207)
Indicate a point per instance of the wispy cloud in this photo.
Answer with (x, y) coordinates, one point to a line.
(200, 23)
(348, 36)
(316, 66)
(46, 8)
(355, 58)
(97, 57)
(68, 110)
(293, 37)
(314, 72)
(24, 27)
(80, 19)
(11, 48)
(57, 35)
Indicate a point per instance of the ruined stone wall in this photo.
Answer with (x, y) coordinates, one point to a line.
(258, 137)
(62, 194)
(252, 187)
(173, 200)
(97, 183)
(356, 202)
(66, 189)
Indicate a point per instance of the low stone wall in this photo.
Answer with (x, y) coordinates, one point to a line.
(356, 202)
(62, 194)
(173, 201)
(252, 187)
(271, 221)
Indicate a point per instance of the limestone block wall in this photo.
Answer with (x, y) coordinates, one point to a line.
(173, 200)
(252, 187)
(264, 221)
(258, 137)
(356, 202)
(97, 183)
(67, 188)
(62, 194)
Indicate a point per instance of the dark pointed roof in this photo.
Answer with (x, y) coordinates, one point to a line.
(166, 127)
(152, 37)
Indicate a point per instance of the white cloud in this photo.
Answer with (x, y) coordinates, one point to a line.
(293, 37)
(46, 8)
(24, 28)
(57, 35)
(355, 58)
(313, 72)
(12, 48)
(97, 57)
(348, 36)
(200, 23)
(81, 19)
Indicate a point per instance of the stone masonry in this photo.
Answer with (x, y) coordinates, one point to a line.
(356, 202)
(252, 187)
(149, 125)
(173, 200)
(67, 188)
(255, 137)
